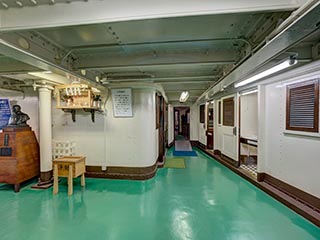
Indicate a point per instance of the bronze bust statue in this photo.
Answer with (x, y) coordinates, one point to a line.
(18, 118)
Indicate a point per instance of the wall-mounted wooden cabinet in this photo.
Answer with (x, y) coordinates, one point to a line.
(77, 96)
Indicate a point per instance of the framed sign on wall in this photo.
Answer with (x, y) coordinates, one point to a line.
(5, 112)
(122, 102)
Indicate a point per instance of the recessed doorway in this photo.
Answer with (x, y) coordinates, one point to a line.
(181, 123)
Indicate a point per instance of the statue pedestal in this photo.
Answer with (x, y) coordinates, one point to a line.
(19, 155)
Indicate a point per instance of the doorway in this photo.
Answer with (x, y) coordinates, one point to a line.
(210, 121)
(229, 129)
(248, 140)
(181, 123)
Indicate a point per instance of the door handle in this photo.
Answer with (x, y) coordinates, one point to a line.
(234, 131)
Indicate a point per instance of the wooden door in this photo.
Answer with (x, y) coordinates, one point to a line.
(229, 130)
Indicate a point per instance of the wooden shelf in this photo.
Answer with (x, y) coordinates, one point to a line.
(73, 97)
(72, 110)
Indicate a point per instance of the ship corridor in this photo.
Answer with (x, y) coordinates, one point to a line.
(159, 120)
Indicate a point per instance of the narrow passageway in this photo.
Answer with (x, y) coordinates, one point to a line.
(205, 200)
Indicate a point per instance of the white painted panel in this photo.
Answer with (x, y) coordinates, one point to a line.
(88, 136)
(228, 143)
(229, 138)
(170, 124)
(88, 12)
(194, 122)
(249, 116)
(130, 142)
(202, 133)
(217, 128)
(293, 159)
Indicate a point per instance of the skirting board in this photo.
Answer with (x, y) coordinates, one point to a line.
(130, 173)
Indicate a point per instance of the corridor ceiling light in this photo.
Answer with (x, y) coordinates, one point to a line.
(288, 63)
(19, 3)
(5, 5)
(249, 92)
(34, 2)
(184, 96)
(83, 72)
(47, 72)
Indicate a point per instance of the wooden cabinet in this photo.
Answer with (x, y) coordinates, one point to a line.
(19, 156)
(74, 97)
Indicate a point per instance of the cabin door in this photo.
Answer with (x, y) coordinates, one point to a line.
(229, 129)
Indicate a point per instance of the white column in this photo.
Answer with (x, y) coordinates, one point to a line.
(45, 129)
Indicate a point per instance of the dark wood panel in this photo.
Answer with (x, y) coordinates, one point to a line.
(131, 173)
(24, 162)
(302, 106)
(202, 113)
(228, 112)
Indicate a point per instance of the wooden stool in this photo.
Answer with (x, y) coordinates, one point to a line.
(70, 167)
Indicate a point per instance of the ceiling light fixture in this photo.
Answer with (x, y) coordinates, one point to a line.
(5, 5)
(184, 96)
(249, 92)
(288, 63)
(19, 3)
(34, 2)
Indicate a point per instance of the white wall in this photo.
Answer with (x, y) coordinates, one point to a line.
(249, 115)
(170, 124)
(132, 142)
(29, 103)
(249, 122)
(202, 127)
(110, 141)
(217, 135)
(291, 158)
(194, 122)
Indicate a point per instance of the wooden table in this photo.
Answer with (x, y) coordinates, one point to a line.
(70, 167)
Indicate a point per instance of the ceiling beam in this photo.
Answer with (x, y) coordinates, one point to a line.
(160, 65)
(90, 12)
(297, 28)
(105, 61)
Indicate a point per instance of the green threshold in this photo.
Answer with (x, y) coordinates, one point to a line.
(202, 201)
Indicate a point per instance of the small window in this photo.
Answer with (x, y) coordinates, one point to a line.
(228, 112)
(202, 113)
(303, 106)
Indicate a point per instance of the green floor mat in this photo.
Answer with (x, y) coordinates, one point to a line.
(175, 163)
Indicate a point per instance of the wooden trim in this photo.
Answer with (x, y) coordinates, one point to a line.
(228, 120)
(202, 113)
(46, 176)
(157, 111)
(261, 176)
(219, 112)
(297, 193)
(194, 143)
(230, 160)
(294, 203)
(315, 128)
(170, 144)
(202, 146)
(130, 173)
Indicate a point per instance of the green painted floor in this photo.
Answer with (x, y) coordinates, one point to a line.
(202, 201)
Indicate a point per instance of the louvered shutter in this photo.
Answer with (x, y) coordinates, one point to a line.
(228, 112)
(303, 106)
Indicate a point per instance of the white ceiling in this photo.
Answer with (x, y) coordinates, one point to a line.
(180, 53)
